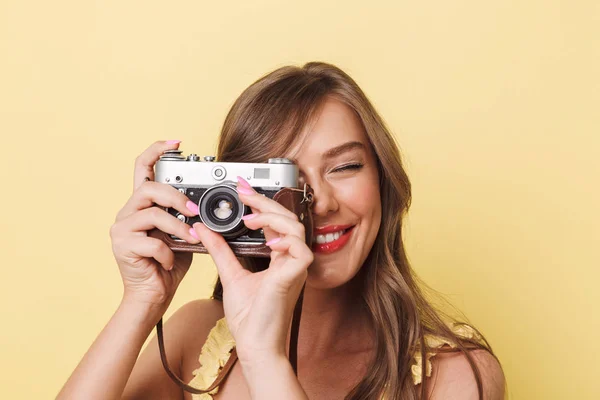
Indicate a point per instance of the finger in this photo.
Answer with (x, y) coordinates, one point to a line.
(279, 224)
(227, 264)
(294, 246)
(300, 257)
(151, 193)
(154, 217)
(144, 246)
(259, 202)
(144, 163)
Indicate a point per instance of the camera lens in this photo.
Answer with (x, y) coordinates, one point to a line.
(221, 211)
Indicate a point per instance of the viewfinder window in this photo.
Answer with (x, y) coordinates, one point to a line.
(261, 173)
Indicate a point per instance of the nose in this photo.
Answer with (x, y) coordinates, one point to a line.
(324, 201)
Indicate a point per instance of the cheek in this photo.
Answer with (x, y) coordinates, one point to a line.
(363, 199)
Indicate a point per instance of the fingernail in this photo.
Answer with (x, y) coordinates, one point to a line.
(243, 190)
(194, 234)
(249, 216)
(193, 207)
(173, 141)
(243, 182)
(272, 241)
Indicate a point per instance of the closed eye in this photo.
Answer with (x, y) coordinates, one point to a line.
(348, 167)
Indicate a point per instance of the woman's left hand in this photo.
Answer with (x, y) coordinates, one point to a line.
(259, 306)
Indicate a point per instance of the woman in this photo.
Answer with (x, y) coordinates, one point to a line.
(367, 331)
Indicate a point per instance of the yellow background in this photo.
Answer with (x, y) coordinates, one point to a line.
(495, 105)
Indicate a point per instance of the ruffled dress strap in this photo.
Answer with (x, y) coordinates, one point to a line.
(213, 357)
(433, 342)
(218, 346)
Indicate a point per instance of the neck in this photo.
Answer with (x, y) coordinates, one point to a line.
(333, 321)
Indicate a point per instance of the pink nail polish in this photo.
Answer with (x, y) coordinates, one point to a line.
(173, 141)
(244, 183)
(194, 234)
(272, 241)
(249, 216)
(243, 190)
(193, 207)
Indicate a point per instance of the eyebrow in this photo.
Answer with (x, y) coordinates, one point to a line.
(336, 151)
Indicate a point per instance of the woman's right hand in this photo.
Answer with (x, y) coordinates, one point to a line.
(150, 270)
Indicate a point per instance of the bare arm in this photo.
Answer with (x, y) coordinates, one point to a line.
(104, 370)
(151, 273)
(110, 369)
(273, 378)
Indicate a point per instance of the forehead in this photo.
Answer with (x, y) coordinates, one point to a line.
(334, 125)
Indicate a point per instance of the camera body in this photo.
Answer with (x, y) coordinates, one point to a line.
(212, 186)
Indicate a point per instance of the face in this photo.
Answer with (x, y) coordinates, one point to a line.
(337, 161)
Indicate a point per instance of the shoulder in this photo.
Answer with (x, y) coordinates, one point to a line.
(191, 324)
(453, 377)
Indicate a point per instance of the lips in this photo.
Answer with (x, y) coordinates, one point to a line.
(330, 229)
(335, 245)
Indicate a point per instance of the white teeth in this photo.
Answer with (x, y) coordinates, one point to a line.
(328, 238)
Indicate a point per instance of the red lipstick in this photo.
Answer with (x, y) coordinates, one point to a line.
(336, 244)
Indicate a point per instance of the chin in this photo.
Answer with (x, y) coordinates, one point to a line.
(322, 277)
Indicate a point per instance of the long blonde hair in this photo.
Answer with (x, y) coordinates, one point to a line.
(264, 122)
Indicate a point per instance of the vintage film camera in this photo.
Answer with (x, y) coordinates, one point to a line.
(212, 186)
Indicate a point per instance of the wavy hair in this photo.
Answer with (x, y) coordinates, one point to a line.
(264, 122)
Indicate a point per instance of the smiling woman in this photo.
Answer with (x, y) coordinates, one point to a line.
(367, 330)
(361, 296)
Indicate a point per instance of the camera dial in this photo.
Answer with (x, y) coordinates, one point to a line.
(172, 155)
(279, 161)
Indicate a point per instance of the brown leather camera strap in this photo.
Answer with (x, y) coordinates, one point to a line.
(293, 352)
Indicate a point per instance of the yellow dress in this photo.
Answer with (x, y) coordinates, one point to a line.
(218, 346)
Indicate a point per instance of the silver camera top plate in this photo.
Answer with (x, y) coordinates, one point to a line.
(175, 169)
